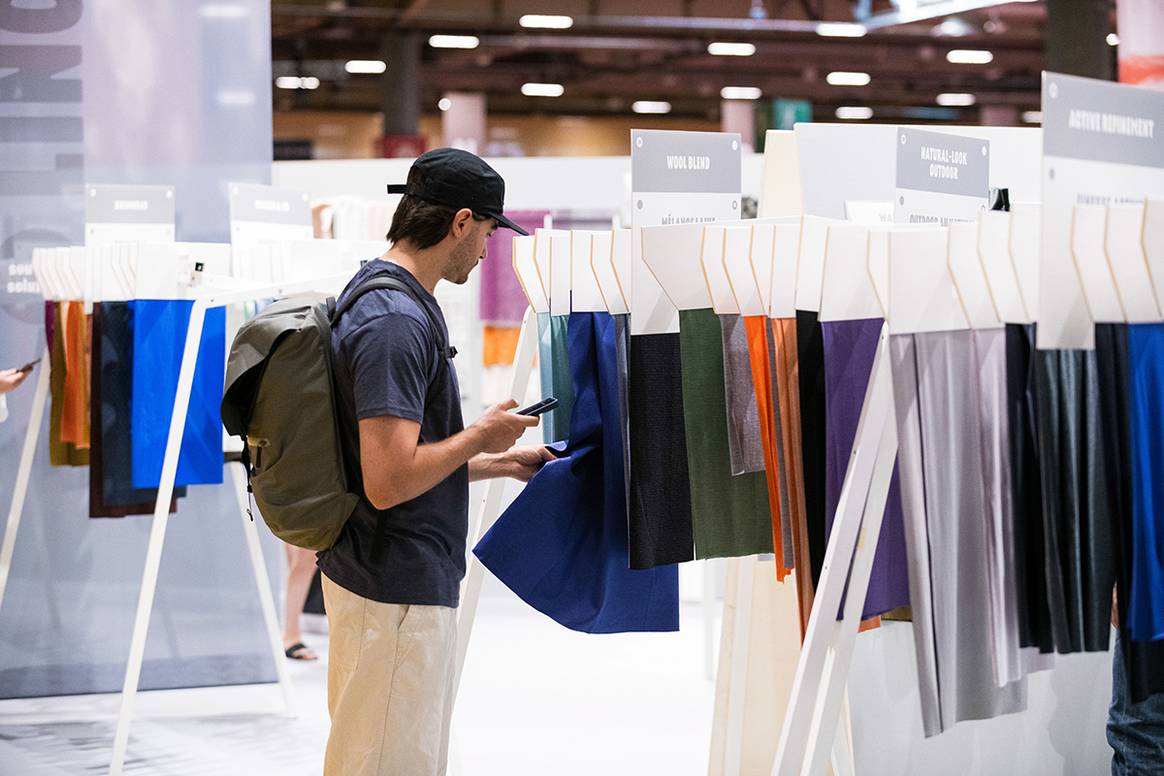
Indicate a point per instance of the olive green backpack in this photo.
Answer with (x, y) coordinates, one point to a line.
(280, 398)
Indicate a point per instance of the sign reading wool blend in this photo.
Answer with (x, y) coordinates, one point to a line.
(941, 178)
(1103, 144)
(676, 177)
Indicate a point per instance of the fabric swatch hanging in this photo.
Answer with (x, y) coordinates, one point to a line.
(61, 453)
(849, 350)
(559, 417)
(111, 491)
(945, 506)
(77, 344)
(811, 384)
(1143, 661)
(1077, 499)
(745, 444)
(659, 523)
(761, 367)
(159, 334)
(1146, 601)
(788, 388)
(730, 515)
(1034, 610)
(546, 372)
(562, 544)
(622, 354)
(765, 328)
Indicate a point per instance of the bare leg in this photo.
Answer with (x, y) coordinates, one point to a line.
(300, 570)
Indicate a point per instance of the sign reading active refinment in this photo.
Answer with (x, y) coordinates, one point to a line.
(941, 178)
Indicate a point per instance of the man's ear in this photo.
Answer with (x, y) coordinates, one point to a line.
(461, 221)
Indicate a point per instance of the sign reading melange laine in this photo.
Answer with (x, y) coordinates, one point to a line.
(941, 178)
(1100, 147)
(676, 178)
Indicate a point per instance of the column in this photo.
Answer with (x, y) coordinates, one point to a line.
(998, 116)
(1140, 25)
(740, 116)
(1077, 38)
(399, 95)
(463, 121)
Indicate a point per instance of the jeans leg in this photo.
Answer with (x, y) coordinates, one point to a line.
(1135, 731)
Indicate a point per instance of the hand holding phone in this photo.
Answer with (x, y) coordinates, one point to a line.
(545, 405)
(29, 366)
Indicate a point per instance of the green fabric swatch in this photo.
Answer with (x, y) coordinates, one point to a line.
(730, 514)
(557, 421)
(546, 371)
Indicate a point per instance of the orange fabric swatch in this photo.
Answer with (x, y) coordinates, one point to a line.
(499, 345)
(756, 327)
(75, 410)
(787, 382)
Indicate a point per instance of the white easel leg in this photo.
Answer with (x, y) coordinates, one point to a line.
(842, 760)
(744, 569)
(523, 362)
(24, 473)
(710, 571)
(263, 582)
(822, 633)
(161, 518)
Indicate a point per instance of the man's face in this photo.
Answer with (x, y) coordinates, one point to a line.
(469, 250)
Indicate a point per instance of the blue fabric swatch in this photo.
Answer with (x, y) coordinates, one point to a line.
(159, 334)
(1146, 364)
(562, 544)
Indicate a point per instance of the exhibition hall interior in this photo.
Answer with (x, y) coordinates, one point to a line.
(438, 387)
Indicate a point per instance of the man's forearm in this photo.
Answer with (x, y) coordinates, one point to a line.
(482, 467)
(434, 463)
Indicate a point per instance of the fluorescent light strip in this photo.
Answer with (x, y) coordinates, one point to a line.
(854, 113)
(546, 22)
(843, 78)
(841, 30)
(969, 57)
(740, 93)
(366, 67)
(1032, 117)
(722, 49)
(295, 82)
(956, 100)
(542, 90)
(454, 41)
(651, 106)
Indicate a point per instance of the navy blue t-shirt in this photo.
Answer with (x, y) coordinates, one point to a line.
(387, 364)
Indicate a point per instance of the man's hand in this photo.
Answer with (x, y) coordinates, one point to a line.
(520, 463)
(498, 429)
(10, 379)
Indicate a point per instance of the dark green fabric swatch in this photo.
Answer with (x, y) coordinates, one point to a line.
(730, 514)
(557, 421)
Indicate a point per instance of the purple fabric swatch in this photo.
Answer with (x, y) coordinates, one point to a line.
(849, 349)
(502, 301)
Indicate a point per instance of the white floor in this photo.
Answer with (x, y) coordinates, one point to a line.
(535, 699)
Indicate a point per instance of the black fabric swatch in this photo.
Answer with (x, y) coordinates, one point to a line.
(810, 357)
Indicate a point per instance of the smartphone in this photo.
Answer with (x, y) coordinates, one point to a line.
(545, 405)
(28, 367)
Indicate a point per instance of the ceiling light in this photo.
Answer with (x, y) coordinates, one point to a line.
(1113, 39)
(969, 57)
(651, 106)
(295, 82)
(841, 30)
(956, 100)
(1033, 116)
(740, 93)
(542, 90)
(444, 104)
(366, 67)
(537, 21)
(854, 113)
(842, 78)
(454, 41)
(953, 27)
(721, 49)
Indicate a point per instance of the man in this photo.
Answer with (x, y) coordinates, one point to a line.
(391, 582)
(10, 380)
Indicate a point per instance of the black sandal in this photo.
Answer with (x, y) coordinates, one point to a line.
(295, 652)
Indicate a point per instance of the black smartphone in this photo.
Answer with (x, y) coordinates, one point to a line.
(545, 405)
(28, 367)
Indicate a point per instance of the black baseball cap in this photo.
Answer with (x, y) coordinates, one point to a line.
(456, 178)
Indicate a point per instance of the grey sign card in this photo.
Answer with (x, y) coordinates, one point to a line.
(1102, 121)
(121, 204)
(685, 162)
(256, 203)
(942, 163)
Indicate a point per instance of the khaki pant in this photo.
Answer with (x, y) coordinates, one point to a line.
(389, 686)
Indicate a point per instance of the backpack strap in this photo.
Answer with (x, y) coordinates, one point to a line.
(386, 281)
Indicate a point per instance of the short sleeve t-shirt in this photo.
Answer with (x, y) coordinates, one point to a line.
(386, 363)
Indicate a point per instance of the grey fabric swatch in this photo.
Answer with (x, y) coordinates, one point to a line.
(743, 415)
(946, 510)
